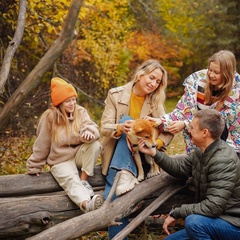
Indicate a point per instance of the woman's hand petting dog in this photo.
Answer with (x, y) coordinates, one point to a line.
(126, 126)
(144, 149)
(152, 119)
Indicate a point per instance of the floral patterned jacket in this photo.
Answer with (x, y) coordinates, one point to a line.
(187, 105)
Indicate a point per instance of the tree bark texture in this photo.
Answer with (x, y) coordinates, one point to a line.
(13, 45)
(24, 184)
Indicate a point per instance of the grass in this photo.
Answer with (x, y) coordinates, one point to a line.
(177, 145)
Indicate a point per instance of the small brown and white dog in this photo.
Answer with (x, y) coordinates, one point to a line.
(143, 128)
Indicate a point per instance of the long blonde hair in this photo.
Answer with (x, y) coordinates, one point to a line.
(157, 97)
(59, 120)
(227, 62)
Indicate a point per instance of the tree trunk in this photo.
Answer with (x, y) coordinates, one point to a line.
(109, 213)
(13, 45)
(46, 62)
(24, 184)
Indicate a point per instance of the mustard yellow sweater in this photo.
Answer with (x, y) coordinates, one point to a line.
(136, 104)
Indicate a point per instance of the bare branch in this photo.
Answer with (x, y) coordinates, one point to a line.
(13, 45)
(171, 190)
(80, 90)
(46, 62)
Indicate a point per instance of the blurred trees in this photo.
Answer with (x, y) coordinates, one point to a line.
(45, 63)
(112, 38)
(203, 27)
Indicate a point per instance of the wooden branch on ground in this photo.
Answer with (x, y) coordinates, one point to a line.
(13, 45)
(171, 190)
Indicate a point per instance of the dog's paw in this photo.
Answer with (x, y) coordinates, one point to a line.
(140, 178)
(152, 174)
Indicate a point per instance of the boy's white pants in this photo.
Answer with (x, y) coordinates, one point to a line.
(67, 175)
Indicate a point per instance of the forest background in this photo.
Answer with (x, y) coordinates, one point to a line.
(111, 38)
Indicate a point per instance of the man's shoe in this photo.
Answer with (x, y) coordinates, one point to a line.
(125, 183)
(95, 203)
(88, 187)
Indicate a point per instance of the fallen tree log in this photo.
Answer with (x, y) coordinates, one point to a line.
(24, 184)
(148, 210)
(33, 205)
(109, 213)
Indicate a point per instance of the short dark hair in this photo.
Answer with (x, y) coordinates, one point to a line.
(212, 120)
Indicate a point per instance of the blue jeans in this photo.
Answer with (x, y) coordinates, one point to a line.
(122, 159)
(199, 227)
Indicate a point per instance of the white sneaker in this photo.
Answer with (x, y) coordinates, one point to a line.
(88, 187)
(95, 203)
(125, 183)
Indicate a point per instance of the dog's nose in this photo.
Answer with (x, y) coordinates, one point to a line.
(154, 145)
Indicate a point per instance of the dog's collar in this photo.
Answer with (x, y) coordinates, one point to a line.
(132, 146)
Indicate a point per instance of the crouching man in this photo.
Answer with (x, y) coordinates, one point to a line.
(215, 169)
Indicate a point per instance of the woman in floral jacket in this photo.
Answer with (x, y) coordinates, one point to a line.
(217, 87)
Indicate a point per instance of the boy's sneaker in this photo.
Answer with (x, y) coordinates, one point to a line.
(88, 187)
(95, 203)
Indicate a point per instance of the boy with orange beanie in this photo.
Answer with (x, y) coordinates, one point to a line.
(67, 140)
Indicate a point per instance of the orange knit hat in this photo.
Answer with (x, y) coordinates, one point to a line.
(61, 90)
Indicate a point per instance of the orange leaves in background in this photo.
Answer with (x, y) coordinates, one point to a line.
(151, 45)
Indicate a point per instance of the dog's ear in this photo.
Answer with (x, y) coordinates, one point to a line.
(137, 129)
